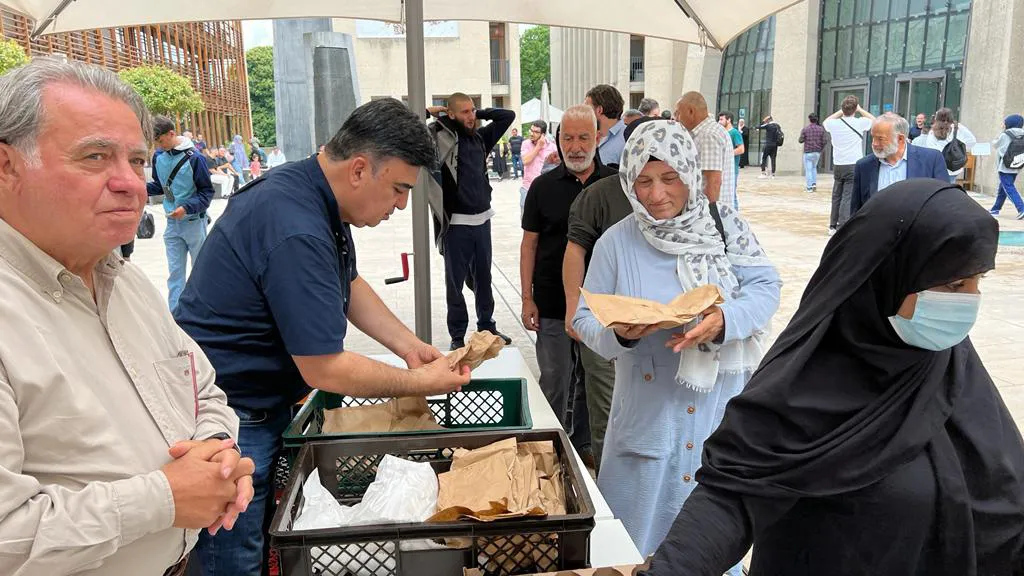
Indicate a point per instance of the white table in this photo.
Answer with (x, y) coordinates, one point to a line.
(610, 545)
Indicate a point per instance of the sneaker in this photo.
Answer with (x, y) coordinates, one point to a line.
(1020, 216)
(831, 231)
(994, 212)
(772, 177)
(457, 343)
(814, 188)
(506, 339)
(763, 176)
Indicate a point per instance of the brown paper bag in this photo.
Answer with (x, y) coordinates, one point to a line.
(395, 415)
(480, 347)
(491, 483)
(612, 310)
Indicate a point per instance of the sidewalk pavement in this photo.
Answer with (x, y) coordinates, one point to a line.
(791, 224)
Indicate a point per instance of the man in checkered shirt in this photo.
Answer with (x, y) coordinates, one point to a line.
(714, 147)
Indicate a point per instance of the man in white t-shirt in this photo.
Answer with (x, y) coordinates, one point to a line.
(941, 134)
(847, 132)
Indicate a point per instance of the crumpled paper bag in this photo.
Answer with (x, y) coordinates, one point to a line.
(395, 415)
(500, 481)
(480, 347)
(612, 310)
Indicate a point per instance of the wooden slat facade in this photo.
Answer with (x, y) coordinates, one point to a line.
(210, 54)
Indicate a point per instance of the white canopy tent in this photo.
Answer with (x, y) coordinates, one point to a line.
(531, 111)
(709, 22)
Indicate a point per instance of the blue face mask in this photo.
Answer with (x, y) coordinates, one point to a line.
(941, 320)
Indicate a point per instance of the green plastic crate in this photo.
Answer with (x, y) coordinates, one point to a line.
(484, 404)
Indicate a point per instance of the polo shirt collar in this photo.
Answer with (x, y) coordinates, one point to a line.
(319, 180)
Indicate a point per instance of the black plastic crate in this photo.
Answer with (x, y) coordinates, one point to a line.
(502, 548)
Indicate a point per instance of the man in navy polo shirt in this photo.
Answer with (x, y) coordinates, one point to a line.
(270, 300)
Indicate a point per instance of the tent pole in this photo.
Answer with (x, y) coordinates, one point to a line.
(414, 58)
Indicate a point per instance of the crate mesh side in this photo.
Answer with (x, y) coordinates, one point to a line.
(477, 407)
(363, 559)
(519, 554)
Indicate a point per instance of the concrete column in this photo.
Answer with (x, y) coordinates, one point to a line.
(993, 87)
(701, 73)
(294, 109)
(515, 98)
(581, 59)
(659, 71)
(794, 78)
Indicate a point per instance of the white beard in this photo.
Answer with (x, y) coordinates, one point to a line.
(582, 165)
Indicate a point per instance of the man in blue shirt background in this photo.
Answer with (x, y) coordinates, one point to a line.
(181, 175)
(607, 104)
(271, 300)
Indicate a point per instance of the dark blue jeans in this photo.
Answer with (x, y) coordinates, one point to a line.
(242, 551)
(467, 254)
(517, 165)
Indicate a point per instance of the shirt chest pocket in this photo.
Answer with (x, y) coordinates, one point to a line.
(178, 379)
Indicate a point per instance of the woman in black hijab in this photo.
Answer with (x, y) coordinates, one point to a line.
(871, 440)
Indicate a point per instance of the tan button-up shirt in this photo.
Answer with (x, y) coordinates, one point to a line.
(92, 394)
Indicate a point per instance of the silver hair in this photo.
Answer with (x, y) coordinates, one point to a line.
(580, 112)
(21, 98)
(898, 123)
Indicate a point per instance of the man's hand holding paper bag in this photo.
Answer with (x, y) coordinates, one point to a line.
(634, 318)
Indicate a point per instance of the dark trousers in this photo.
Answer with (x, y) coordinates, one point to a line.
(562, 380)
(770, 151)
(242, 551)
(842, 194)
(467, 255)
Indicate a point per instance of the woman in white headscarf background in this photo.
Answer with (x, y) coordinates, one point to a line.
(671, 386)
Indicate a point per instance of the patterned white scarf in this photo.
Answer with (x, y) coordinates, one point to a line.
(694, 239)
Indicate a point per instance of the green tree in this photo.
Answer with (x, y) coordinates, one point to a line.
(259, 63)
(163, 90)
(12, 55)
(534, 60)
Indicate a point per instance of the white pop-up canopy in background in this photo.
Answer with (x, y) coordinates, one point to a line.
(710, 22)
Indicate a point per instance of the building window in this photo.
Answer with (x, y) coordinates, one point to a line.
(746, 82)
(905, 56)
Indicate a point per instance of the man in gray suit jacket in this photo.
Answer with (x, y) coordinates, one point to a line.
(894, 160)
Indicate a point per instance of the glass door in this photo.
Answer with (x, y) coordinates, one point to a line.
(836, 96)
(920, 93)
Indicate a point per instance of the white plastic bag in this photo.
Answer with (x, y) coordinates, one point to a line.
(403, 491)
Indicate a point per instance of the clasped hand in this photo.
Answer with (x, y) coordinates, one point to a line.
(211, 484)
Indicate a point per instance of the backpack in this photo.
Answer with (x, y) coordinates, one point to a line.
(147, 226)
(782, 137)
(1014, 157)
(955, 153)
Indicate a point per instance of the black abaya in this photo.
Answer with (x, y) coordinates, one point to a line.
(850, 452)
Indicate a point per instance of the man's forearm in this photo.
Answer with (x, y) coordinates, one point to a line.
(836, 115)
(527, 261)
(356, 375)
(529, 156)
(712, 184)
(369, 313)
(573, 272)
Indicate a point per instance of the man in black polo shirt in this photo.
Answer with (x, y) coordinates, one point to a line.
(271, 298)
(515, 144)
(545, 228)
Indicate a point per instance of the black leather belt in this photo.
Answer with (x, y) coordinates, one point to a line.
(178, 569)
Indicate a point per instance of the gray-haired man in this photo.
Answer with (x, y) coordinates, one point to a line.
(114, 441)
